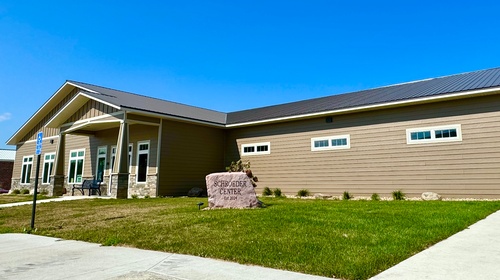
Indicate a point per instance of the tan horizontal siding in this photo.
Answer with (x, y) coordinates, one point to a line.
(379, 159)
(29, 148)
(188, 154)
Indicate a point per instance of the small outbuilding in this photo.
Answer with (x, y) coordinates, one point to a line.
(7, 158)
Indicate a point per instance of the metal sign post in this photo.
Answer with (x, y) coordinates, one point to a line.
(39, 139)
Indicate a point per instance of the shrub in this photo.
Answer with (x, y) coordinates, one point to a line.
(25, 191)
(375, 197)
(147, 196)
(398, 195)
(267, 191)
(277, 192)
(238, 166)
(346, 195)
(16, 191)
(303, 192)
(134, 196)
(44, 192)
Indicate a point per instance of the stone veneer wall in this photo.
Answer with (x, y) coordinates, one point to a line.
(143, 189)
(16, 185)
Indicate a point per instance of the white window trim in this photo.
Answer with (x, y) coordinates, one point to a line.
(329, 139)
(243, 146)
(76, 158)
(131, 155)
(31, 171)
(139, 152)
(43, 169)
(433, 139)
(98, 156)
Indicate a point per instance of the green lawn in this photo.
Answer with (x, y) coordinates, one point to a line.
(343, 239)
(12, 198)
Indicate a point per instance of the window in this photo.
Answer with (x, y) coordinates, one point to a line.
(48, 164)
(26, 169)
(434, 134)
(142, 161)
(113, 156)
(76, 160)
(331, 143)
(101, 162)
(256, 149)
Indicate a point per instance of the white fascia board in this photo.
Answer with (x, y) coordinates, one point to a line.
(100, 100)
(38, 111)
(95, 119)
(371, 107)
(70, 103)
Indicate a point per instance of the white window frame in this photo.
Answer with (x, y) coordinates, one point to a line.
(139, 152)
(27, 177)
(50, 161)
(329, 139)
(130, 155)
(255, 152)
(113, 157)
(76, 159)
(105, 156)
(432, 130)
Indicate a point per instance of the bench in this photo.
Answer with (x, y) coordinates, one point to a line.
(87, 185)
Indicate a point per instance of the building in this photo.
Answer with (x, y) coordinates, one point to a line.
(436, 135)
(6, 166)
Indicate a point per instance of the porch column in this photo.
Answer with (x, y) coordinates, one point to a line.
(57, 180)
(120, 179)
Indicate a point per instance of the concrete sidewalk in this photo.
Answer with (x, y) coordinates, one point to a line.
(470, 254)
(62, 198)
(27, 256)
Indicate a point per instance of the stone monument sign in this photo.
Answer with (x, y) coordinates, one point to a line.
(231, 190)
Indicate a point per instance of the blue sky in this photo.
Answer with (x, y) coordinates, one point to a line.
(234, 55)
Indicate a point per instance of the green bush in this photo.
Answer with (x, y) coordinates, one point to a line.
(267, 191)
(375, 197)
(346, 195)
(277, 192)
(147, 196)
(134, 196)
(398, 195)
(303, 192)
(44, 192)
(16, 191)
(25, 191)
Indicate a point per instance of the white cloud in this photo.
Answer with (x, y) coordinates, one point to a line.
(5, 116)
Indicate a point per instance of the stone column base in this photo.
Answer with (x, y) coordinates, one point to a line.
(119, 185)
(57, 186)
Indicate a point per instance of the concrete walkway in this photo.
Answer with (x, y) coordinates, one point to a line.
(471, 254)
(27, 256)
(62, 198)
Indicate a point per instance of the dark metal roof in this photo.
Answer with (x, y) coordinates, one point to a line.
(153, 105)
(420, 89)
(442, 86)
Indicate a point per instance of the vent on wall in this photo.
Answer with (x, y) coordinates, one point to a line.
(329, 119)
